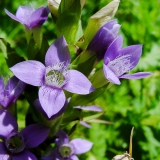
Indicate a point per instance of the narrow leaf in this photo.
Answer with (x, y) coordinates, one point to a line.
(68, 22)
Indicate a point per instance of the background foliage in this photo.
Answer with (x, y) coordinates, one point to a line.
(133, 103)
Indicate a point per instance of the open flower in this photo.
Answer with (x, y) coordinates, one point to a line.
(68, 149)
(10, 92)
(15, 144)
(118, 61)
(103, 38)
(53, 78)
(29, 16)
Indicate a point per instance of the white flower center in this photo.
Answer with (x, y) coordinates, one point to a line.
(56, 75)
(120, 65)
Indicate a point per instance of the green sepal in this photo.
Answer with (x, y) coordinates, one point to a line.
(83, 100)
(68, 22)
(3, 47)
(32, 49)
(98, 20)
(86, 59)
(37, 35)
(98, 79)
(28, 33)
(33, 52)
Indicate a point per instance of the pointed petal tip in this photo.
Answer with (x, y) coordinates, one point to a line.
(51, 100)
(138, 75)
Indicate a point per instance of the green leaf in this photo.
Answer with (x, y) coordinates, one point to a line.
(3, 47)
(35, 53)
(68, 22)
(98, 20)
(98, 79)
(80, 100)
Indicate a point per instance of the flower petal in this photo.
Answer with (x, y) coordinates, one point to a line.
(89, 108)
(113, 50)
(13, 16)
(26, 155)
(23, 14)
(12, 91)
(110, 75)
(135, 51)
(78, 83)
(38, 17)
(1, 83)
(81, 145)
(34, 134)
(31, 72)
(19, 89)
(138, 75)
(52, 100)
(73, 158)
(58, 52)
(7, 123)
(62, 138)
(4, 155)
(11, 84)
(85, 124)
(2, 91)
(39, 108)
(103, 38)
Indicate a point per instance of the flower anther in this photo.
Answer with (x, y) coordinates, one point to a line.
(56, 75)
(120, 65)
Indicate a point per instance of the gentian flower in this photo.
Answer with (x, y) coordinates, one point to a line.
(118, 61)
(14, 144)
(53, 78)
(32, 19)
(66, 149)
(103, 38)
(10, 92)
(29, 16)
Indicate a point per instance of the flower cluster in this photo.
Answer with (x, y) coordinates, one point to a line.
(59, 89)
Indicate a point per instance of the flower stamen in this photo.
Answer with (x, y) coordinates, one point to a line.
(56, 75)
(120, 65)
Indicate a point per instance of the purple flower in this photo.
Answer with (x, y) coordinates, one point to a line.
(10, 92)
(103, 38)
(66, 149)
(15, 144)
(118, 61)
(29, 16)
(53, 78)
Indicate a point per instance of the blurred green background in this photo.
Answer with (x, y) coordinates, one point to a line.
(133, 103)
